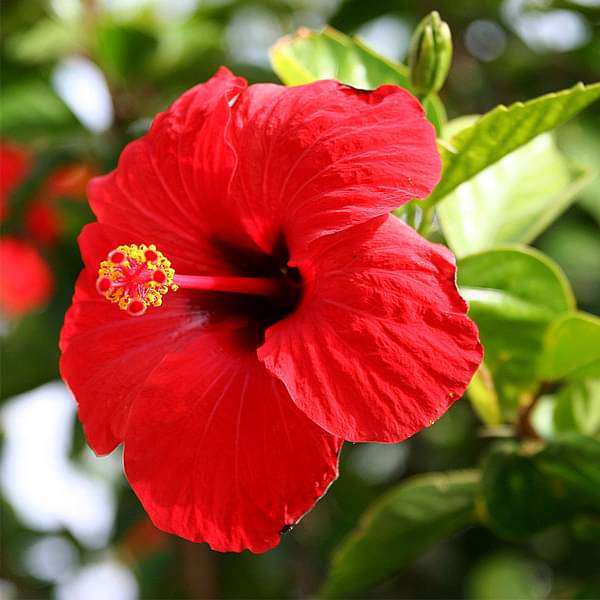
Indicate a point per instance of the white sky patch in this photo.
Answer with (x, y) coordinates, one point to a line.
(387, 35)
(83, 88)
(105, 580)
(52, 558)
(485, 40)
(48, 491)
(546, 30)
(378, 463)
(250, 34)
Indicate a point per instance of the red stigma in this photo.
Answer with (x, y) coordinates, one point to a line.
(151, 256)
(103, 284)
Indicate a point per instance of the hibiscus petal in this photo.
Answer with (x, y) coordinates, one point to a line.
(380, 346)
(217, 452)
(317, 158)
(107, 355)
(167, 181)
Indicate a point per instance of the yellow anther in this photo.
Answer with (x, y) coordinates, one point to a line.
(135, 277)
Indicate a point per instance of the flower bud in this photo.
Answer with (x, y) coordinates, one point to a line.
(430, 55)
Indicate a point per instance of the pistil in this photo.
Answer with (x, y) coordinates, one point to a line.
(255, 286)
(136, 277)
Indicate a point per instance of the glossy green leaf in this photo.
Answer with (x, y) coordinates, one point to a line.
(505, 129)
(310, 55)
(572, 348)
(513, 200)
(329, 54)
(514, 293)
(577, 408)
(519, 498)
(399, 527)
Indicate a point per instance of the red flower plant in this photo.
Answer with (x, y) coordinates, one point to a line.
(14, 167)
(271, 307)
(25, 279)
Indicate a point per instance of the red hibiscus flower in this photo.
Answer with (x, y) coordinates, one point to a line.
(14, 166)
(271, 307)
(70, 181)
(25, 279)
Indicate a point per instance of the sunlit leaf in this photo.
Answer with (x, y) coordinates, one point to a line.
(572, 348)
(506, 576)
(329, 54)
(46, 41)
(399, 527)
(513, 200)
(577, 408)
(514, 293)
(505, 129)
(483, 397)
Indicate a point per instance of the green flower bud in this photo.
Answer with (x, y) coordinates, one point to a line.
(430, 55)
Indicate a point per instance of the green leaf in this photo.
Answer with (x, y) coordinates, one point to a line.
(309, 56)
(483, 397)
(506, 576)
(574, 460)
(399, 527)
(32, 108)
(572, 348)
(514, 293)
(503, 130)
(513, 200)
(519, 498)
(577, 408)
(47, 41)
(123, 50)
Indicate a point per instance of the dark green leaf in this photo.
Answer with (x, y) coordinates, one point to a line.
(398, 528)
(574, 460)
(519, 499)
(123, 50)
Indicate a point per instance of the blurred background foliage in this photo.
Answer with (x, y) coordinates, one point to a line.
(80, 79)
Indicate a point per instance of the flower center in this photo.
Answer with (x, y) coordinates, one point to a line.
(137, 277)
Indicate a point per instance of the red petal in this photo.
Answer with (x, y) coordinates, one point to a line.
(25, 279)
(317, 158)
(381, 345)
(167, 181)
(107, 354)
(217, 452)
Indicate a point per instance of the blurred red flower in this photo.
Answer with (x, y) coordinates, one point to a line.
(14, 167)
(25, 279)
(43, 223)
(70, 181)
(305, 314)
